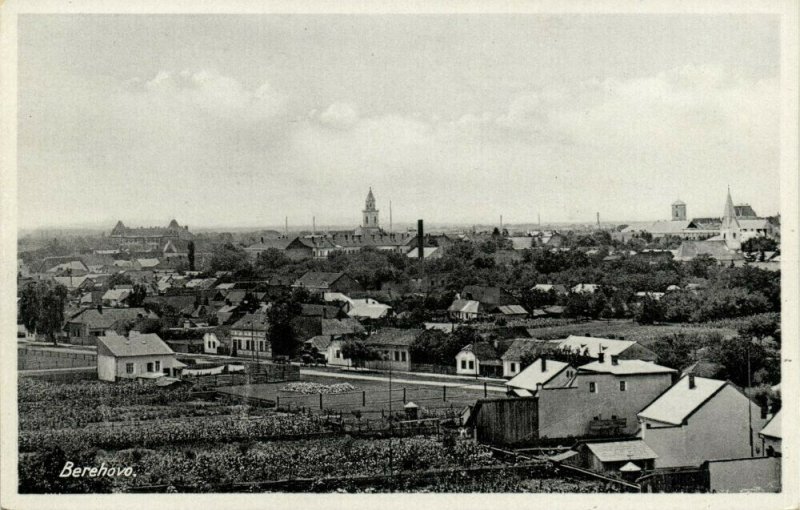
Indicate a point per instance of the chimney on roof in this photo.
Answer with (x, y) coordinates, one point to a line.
(615, 359)
(538, 386)
(420, 240)
(692, 384)
(544, 365)
(601, 357)
(100, 309)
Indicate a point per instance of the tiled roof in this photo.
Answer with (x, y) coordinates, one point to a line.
(252, 322)
(70, 282)
(393, 336)
(465, 306)
(482, 350)
(266, 244)
(97, 320)
(116, 294)
(318, 279)
(659, 227)
(341, 327)
(320, 342)
(512, 310)
(533, 374)
(618, 451)
(520, 347)
(679, 401)
(137, 345)
(488, 295)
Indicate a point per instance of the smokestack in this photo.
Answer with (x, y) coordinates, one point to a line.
(420, 234)
(544, 365)
(286, 226)
(501, 223)
(598, 219)
(390, 216)
(539, 218)
(601, 357)
(313, 225)
(691, 382)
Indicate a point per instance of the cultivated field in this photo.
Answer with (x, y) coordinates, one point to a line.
(644, 334)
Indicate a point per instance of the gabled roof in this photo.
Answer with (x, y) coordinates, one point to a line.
(320, 342)
(71, 282)
(487, 295)
(520, 347)
(679, 401)
(106, 319)
(252, 322)
(137, 345)
(278, 244)
(318, 279)
(512, 310)
(625, 367)
(595, 345)
(533, 374)
(773, 427)
(547, 287)
(465, 306)
(483, 351)
(393, 336)
(618, 451)
(368, 308)
(341, 327)
(715, 249)
(116, 294)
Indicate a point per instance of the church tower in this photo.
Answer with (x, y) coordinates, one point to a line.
(730, 229)
(370, 224)
(679, 210)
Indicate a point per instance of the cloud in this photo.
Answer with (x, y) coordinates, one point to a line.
(339, 116)
(208, 92)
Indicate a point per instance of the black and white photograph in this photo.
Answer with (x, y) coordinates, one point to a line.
(398, 251)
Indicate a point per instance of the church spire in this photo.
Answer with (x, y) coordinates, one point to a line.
(729, 215)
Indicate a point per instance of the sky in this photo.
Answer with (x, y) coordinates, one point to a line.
(233, 120)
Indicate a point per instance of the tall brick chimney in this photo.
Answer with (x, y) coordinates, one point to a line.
(420, 240)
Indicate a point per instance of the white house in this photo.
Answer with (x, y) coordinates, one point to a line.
(116, 297)
(771, 436)
(541, 373)
(211, 343)
(140, 356)
(479, 358)
(592, 347)
(699, 419)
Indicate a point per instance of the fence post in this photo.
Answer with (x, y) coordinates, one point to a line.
(320, 401)
(444, 393)
(404, 395)
(485, 390)
(363, 399)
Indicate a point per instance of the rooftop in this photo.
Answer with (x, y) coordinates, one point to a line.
(136, 345)
(679, 401)
(533, 374)
(618, 451)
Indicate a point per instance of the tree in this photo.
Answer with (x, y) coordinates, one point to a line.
(42, 308)
(228, 257)
(271, 259)
(137, 296)
(281, 331)
(761, 244)
(677, 350)
(119, 279)
(733, 355)
(191, 256)
(649, 312)
(358, 352)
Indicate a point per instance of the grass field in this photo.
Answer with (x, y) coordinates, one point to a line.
(371, 397)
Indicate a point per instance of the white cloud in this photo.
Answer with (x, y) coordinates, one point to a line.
(339, 116)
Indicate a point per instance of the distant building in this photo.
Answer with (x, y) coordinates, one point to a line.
(96, 322)
(318, 282)
(140, 356)
(153, 237)
(250, 336)
(394, 346)
(679, 210)
(593, 347)
(479, 358)
(542, 372)
(369, 224)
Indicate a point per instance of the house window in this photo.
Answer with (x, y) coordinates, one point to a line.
(260, 345)
(623, 386)
(397, 355)
(513, 367)
(158, 366)
(150, 367)
(463, 364)
(128, 368)
(592, 387)
(338, 354)
(403, 356)
(471, 365)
